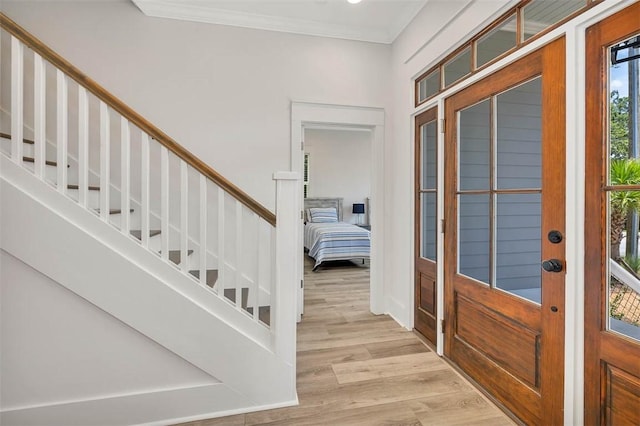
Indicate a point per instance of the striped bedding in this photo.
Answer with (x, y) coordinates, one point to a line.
(336, 241)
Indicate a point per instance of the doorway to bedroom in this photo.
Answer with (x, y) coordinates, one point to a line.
(356, 125)
(336, 190)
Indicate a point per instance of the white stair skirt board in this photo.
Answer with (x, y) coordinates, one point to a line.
(93, 260)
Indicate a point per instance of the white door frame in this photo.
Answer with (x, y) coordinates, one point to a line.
(305, 114)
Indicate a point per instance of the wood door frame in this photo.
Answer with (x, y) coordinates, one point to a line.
(551, 60)
(599, 343)
(427, 116)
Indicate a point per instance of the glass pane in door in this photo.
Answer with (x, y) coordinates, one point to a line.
(623, 290)
(428, 149)
(474, 147)
(429, 235)
(519, 136)
(518, 251)
(474, 256)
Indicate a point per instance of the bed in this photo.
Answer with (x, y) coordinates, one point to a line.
(328, 238)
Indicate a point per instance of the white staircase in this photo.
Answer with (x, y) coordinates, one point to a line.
(103, 204)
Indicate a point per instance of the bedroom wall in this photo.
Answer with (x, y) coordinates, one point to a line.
(340, 166)
(223, 92)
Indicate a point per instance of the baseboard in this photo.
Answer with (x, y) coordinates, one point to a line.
(291, 403)
(155, 407)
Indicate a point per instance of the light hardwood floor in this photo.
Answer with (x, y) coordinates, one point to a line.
(356, 368)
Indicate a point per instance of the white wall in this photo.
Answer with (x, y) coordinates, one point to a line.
(428, 38)
(222, 92)
(57, 347)
(340, 166)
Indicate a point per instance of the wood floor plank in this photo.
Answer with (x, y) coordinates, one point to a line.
(395, 348)
(358, 371)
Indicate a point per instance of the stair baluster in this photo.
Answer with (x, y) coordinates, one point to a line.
(17, 99)
(105, 161)
(125, 173)
(62, 125)
(164, 202)
(39, 92)
(203, 231)
(83, 147)
(145, 188)
(184, 216)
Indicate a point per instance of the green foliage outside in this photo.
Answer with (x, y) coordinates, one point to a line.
(619, 110)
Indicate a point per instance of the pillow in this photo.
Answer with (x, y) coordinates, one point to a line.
(328, 214)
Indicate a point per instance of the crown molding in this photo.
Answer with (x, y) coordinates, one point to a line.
(199, 12)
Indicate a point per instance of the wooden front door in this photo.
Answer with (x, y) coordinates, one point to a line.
(504, 234)
(612, 278)
(426, 179)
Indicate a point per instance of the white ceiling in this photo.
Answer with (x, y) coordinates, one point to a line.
(379, 21)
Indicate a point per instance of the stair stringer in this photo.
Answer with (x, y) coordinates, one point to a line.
(111, 270)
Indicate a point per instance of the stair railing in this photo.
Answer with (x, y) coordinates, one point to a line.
(220, 225)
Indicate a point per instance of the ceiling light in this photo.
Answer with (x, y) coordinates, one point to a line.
(354, 1)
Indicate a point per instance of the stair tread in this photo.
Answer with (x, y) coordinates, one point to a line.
(175, 255)
(24, 140)
(47, 162)
(91, 187)
(138, 233)
(212, 276)
(115, 211)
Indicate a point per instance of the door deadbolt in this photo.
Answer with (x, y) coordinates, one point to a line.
(555, 236)
(552, 265)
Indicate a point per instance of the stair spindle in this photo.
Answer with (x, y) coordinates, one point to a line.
(256, 285)
(164, 203)
(203, 230)
(145, 183)
(125, 174)
(239, 269)
(105, 160)
(184, 216)
(39, 117)
(62, 130)
(83, 146)
(17, 99)
(222, 269)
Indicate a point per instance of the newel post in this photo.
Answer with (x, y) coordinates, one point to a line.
(285, 288)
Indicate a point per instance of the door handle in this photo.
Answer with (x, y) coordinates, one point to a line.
(552, 265)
